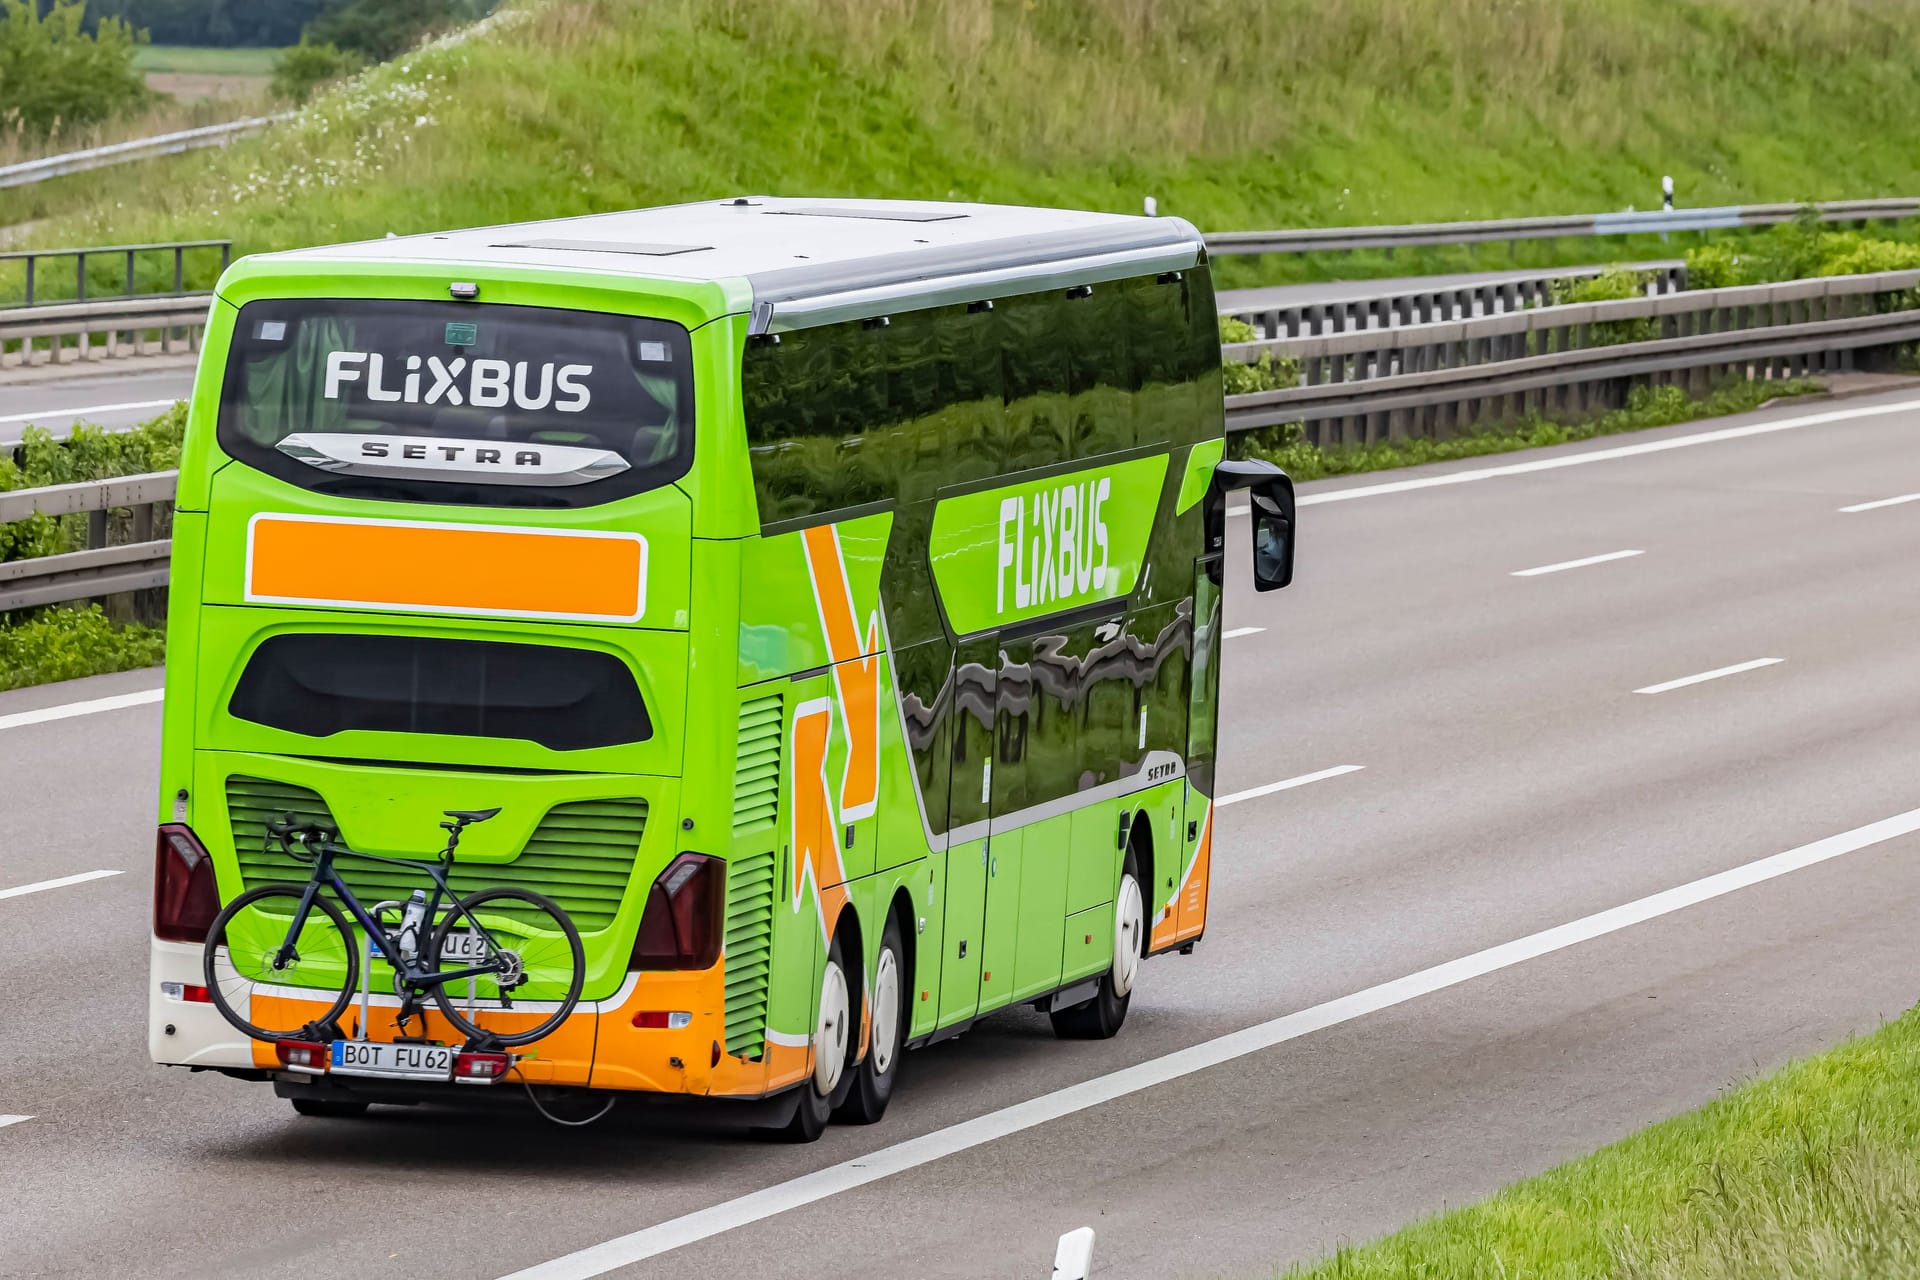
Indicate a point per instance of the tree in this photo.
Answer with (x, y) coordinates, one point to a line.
(53, 75)
(378, 30)
(298, 71)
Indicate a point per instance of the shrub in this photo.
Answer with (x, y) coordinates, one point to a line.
(53, 75)
(66, 644)
(379, 30)
(307, 66)
(1268, 373)
(1615, 284)
(1717, 266)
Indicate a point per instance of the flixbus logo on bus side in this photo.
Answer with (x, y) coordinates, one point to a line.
(1026, 550)
(1059, 549)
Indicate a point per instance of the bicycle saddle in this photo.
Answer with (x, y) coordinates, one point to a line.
(471, 815)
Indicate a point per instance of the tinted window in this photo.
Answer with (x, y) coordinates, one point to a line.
(564, 699)
(457, 402)
(849, 414)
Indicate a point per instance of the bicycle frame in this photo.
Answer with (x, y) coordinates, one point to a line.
(412, 972)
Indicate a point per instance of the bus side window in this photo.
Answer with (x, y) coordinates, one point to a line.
(906, 454)
(972, 427)
(1157, 326)
(1036, 430)
(1098, 339)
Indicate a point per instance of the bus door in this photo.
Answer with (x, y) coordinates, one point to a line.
(1203, 708)
(976, 683)
(1013, 707)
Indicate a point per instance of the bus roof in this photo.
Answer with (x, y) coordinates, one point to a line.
(809, 262)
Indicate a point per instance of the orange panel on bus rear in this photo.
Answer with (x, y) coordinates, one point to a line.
(446, 568)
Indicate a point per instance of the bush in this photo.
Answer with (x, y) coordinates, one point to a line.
(1615, 284)
(66, 644)
(54, 76)
(91, 454)
(1268, 373)
(307, 66)
(1716, 266)
(380, 30)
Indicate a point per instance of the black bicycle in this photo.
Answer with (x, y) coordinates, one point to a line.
(281, 946)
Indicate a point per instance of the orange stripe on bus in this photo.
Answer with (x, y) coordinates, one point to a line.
(856, 669)
(446, 568)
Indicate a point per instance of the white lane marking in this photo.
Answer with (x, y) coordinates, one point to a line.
(22, 890)
(1715, 674)
(672, 1234)
(67, 710)
(7, 1120)
(39, 415)
(1883, 502)
(1289, 784)
(1237, 632)
(1603, 455)
(1576, 564)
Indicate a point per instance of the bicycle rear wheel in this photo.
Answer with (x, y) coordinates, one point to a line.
(538, 966)
(245, 940)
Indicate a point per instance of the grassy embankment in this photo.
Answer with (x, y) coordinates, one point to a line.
(1291, 113)
(1812, 1173)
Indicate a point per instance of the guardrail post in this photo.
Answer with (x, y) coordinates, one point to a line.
(80, 276)
(30, 261)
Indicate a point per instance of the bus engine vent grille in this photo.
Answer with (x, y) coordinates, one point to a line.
(756, 772)
(749, 947)
(581, 855)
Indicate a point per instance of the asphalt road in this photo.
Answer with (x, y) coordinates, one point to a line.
(108, 397)
(1512, 782)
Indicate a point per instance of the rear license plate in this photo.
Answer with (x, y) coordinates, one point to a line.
(463, 947)
(398, 1061)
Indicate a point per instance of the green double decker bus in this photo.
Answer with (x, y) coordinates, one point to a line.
(827, 595)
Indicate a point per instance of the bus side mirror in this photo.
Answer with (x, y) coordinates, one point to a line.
(1271, 512)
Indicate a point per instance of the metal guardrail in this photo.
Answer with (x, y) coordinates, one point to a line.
(163, 144)
(100, 570)
(1421, 379)
(1513, 230)
(1384, 308)
(130, 253)
(149, 326)
(1433, 379)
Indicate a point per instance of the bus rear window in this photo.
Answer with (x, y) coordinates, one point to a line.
(564, 699)
(458, 402)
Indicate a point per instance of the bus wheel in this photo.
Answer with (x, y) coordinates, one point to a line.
(873, 1078)
(1101, 1017)
(330, 1108)
(833, 1044)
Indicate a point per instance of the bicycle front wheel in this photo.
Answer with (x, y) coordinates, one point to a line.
(534, 966)
(247, 979)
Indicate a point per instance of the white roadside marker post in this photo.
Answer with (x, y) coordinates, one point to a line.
(1073, 1257)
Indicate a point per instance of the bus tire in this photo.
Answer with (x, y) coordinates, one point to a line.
(873, 1079)
(1102, 1017)
(833, 1016)
(330, 1108)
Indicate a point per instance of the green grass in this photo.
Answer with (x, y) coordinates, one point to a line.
(1809, 1174)
(1646, 407)
(186, 59)
(1233, 115)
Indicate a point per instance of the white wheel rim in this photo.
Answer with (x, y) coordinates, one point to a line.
(830, 1035)
(886, 1011)
(1127, 917)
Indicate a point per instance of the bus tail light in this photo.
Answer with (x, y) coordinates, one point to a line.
(308, 1056)
(185, 899)
(480, 1068)
(680, 928)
